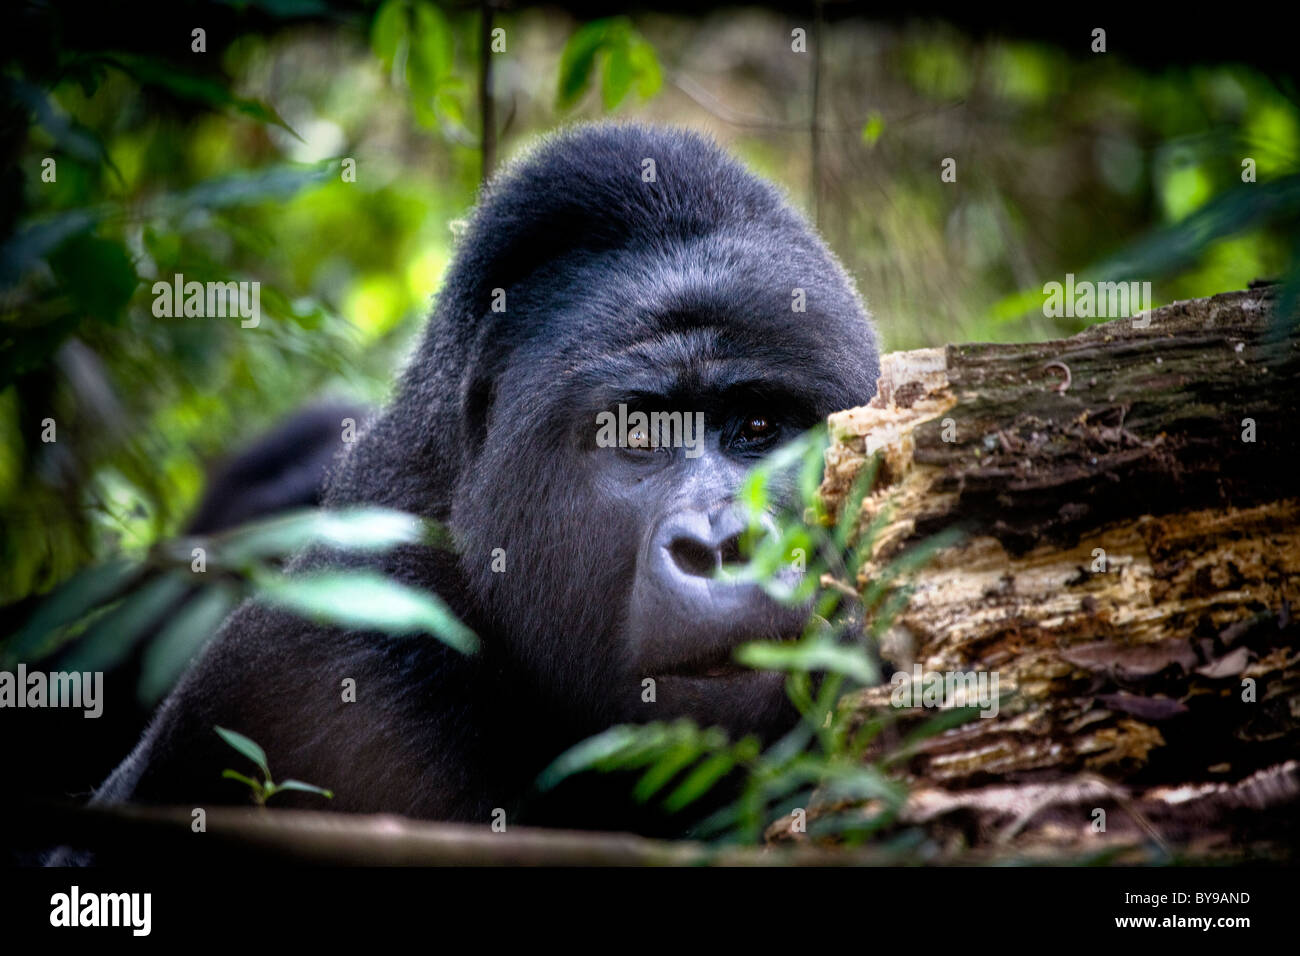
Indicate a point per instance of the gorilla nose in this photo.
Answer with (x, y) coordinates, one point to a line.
(686, 619)
(700, 548)
(698, 544)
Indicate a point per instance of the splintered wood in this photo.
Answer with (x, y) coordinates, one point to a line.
(1130, 512)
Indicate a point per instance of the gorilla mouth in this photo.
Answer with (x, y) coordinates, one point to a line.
(720, 665)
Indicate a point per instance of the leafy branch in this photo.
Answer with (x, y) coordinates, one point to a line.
(264, 789)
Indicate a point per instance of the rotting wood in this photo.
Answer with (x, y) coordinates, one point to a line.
(1129, 570)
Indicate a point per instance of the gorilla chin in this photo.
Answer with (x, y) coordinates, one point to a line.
(582, 283)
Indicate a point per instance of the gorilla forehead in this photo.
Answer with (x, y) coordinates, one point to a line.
(689, 317)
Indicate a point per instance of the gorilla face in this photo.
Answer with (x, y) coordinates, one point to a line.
(611, 552)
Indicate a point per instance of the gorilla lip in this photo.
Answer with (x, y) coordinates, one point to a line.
(718, 665)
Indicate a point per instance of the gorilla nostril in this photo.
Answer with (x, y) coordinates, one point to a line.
(693, 557)
(729, 552)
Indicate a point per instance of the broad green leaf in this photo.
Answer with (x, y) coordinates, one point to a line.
(586, 754)
(576, 61)
(36, 238)
(1167, 250)
(245, 746)
(111, 637)
(431, 51)
(645, 67)
(817, 655)
(388, 31)
(71, 601)
(351, 529)
(366, 599)
(616, 77)
(700, 780)
(183, 636)
(273, 183)
(669, 765)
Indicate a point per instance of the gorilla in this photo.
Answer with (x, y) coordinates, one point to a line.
(613, 265)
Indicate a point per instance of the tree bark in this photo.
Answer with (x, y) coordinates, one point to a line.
(1128, 569)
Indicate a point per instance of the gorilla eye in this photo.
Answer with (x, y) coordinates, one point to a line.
(756, 428)
(638, 439)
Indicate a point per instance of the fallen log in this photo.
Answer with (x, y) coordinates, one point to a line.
(1128, 570)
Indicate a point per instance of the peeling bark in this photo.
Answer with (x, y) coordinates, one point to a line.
(1129, 569)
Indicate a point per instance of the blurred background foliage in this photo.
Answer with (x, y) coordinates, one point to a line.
(226, 164)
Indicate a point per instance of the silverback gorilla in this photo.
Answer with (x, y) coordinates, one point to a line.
(611, 265)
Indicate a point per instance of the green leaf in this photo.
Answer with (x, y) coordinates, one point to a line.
(305, 788)
(586, 754)
(431, 55)
(818, 654)
(388, 31)
(616, 77)
(669, 765)
(195, 88)
(851, 508)
(914, 558)
(577, 60)
(350, 529)
(246, 747)
(70, 602)
(183, 637)
(366, 599)
(111, 637)
(645, 67)
(1165, 251)
(36, 238)
(235, 775)
(700, 780)
(274, 183)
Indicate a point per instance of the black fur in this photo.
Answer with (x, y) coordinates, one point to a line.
(614, 287)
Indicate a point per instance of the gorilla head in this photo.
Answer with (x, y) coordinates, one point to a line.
(615, 269)
(614, 266)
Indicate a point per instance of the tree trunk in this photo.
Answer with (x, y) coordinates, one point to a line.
(1128, 571)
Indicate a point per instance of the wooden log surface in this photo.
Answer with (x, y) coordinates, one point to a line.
(1129, 569)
